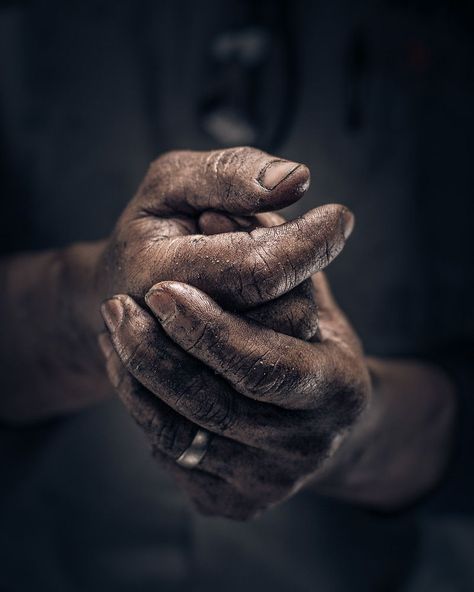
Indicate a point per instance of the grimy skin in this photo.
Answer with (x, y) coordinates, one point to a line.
(215, 325)
(50, 300)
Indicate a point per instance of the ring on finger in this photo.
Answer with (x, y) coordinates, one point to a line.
(196, 451)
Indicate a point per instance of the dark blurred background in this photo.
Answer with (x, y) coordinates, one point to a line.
(377, 98)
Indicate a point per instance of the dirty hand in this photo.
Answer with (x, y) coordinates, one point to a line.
(274, 409)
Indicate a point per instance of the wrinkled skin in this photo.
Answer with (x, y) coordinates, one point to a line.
(294, 313)
(275, 427)
(277, 405)
(162, 236)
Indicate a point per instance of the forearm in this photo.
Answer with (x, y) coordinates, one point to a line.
(49, 318)
(400, 448)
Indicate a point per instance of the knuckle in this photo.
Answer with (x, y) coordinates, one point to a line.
(159, 172)
(133, 355)
(216, 412)
(344, 398)
(232, 169)
(118, 376)
(225, 163)
(263, 270)
(301, 441)
(327, 252)
(334, 238)
(306, 451)
(218, 162)
(142, 411)
(262, 276)
(170, 435)
(302, 322)
(166, 437)
(353, 401)
(268, 378)
(259, 380)
(139, 406)
(210, 335)
(294, 313)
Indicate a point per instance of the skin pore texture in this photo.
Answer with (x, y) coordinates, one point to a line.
(218, 316)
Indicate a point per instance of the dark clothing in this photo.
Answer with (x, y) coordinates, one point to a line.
(377, 99)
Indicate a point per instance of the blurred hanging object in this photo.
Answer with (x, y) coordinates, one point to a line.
(251, 80)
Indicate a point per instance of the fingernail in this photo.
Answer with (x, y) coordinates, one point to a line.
(275, 172)
(162, 304)
(112, 311)
(347, 221)
(105, 345)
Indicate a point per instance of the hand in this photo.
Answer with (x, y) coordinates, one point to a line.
(377, 457)
(51, 300)
(157, 237)
(278, 407)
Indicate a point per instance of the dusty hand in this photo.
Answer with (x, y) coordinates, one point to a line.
(260, 270)
(158, 236)
(277, 407)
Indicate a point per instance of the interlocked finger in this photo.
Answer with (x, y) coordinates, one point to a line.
(170, 435)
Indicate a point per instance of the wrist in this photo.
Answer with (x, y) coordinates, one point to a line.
(81, 288)
(80, 296)
(50, 359)
(383, 461)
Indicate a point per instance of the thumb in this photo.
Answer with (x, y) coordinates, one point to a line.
(243, 270)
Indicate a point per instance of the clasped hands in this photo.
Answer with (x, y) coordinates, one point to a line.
(222, 321)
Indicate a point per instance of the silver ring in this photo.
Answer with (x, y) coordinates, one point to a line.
(196, 451)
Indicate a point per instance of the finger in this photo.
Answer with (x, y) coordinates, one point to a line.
(247, 469)
(294, 313)
(170, 435)
(258, 362)
(332, 322)
(168, 432)
(269, 219)
(242, 270)
(236, 180)
(188, 387)
(210, 222)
